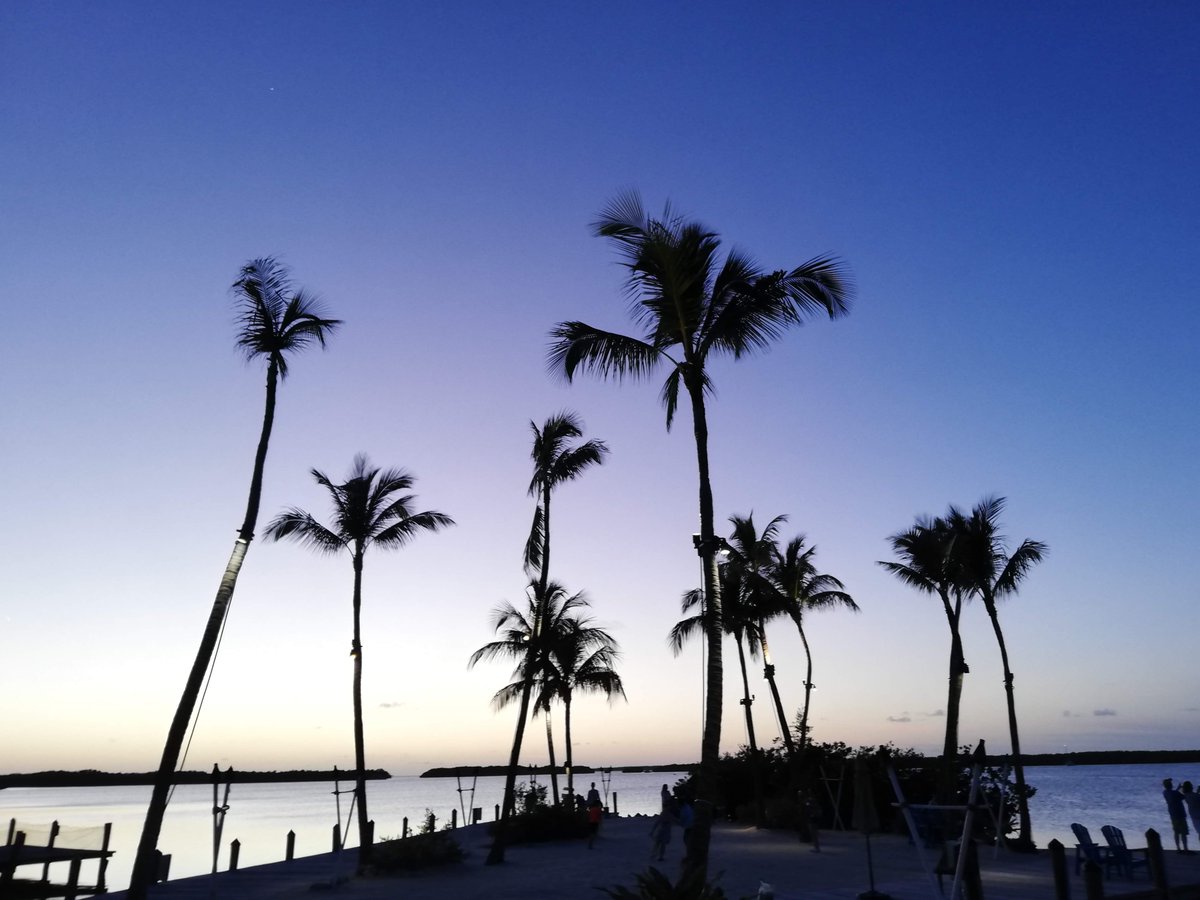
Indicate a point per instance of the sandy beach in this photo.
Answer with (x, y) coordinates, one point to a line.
(742, 857)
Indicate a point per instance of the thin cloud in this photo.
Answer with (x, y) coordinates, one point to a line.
(937, 714)
(390, 705)
(904, 718)
(1104, 712)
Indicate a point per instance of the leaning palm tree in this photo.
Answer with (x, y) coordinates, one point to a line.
(526, 637)
(555, 461)
(580, 660)
(370, 509)
(803, 589)
(925, 560)
(275, 320)
(987, 571)
(690, 305)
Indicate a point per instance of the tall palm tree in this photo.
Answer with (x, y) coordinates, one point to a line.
(925, 560)
(555, 461)
(689, 305)
(990, 573)
(370, 509)
(581, 660)
(274, 321)
(803, 589)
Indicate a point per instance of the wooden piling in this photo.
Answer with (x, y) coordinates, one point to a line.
(337, 837)
(454, 818)
(1058, 865)
(235, 848)
(290, 853)
(1158, 866)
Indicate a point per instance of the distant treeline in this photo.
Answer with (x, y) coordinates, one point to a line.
(472, 771)
(1083, 758)
(95, 778)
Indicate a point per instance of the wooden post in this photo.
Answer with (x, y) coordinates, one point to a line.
(404, 828)
(337, 837)
(1158, 866)
(497, 812)
(50, 843)
(100, 888)
(290, 853)
(72, 890)
(1058, 865)
(235, 847)
(1093, 881)
(476, 815)
(369, 838)
(12, 830)
(454, 818)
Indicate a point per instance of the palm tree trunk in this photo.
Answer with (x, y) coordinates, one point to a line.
(710, 745)
(1024, 839)
(808, 685)
(365, 837)
(769, 674)
(760, 810)
(145, 863)
(567, 737)
(550, 753)
(953, 699)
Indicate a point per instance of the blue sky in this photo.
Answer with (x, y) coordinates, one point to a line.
(1012, 186)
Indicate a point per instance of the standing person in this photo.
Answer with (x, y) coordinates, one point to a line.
(595, 815)
(660, 833)
(1178, 814)
(1192, 801)
(593, 797)
(687, 818)
(666, 798)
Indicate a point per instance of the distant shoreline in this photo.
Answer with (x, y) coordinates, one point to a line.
(94, 778)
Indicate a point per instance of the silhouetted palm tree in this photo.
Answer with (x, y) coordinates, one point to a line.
(370, 509)
(987, 571)
(926, 562)
(803, 589)
(555, 461)
(274, 321)
(690, 305)
(581, 660)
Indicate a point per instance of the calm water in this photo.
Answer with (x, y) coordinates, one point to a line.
(260, 816)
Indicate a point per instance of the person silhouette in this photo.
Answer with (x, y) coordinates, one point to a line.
(1178, 815)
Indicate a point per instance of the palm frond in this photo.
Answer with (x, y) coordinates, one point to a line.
(533, 543)
(300, 526)
(604, 353)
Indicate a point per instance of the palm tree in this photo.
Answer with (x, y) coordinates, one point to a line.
(987, 571)
(554, 461)
(526, 637)
(580, 661)
(803, 589)
(370, 509)
(925, 556)
(274, 322)
(689, 305)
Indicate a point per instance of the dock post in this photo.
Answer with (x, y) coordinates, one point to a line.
(476, 815)
(290, 853)
(454, 818)
(404, 827)
(1093, 881)
(337, 837)
(1158, 867)
(1058, 865)
(72, 890)
(615, 813)
(368, 839)
(497, 819)
(235, 847)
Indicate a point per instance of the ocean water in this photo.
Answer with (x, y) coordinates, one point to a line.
(260, 816)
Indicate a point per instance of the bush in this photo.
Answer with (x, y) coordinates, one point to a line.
(654, 885)
(545, 823)
(421, 851)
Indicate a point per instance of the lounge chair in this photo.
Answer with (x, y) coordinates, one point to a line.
(1088, 850)
(1123, 858)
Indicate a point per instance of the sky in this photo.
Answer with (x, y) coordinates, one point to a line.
(1012, 187)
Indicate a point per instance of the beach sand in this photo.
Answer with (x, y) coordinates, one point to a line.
(742, 857)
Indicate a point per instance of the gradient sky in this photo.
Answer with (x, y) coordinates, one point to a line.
(1013, 186)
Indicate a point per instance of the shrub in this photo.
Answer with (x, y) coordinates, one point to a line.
(421, 851)
(654, 885)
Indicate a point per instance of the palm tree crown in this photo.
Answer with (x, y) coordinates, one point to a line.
(274, 319)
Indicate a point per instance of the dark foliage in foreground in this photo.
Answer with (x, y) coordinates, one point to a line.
(420, 851)
(654, 885)
(826, 765)
(544, 823)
